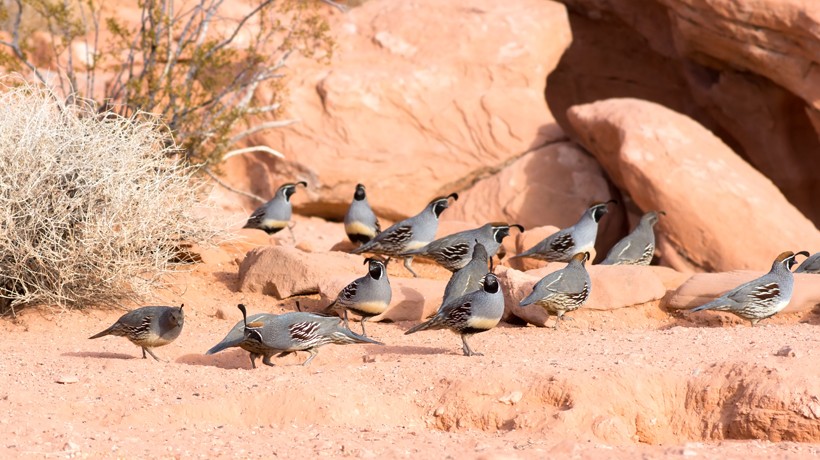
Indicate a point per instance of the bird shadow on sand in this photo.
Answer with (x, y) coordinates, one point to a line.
(228, 359)
(406, 350)
(100, 355)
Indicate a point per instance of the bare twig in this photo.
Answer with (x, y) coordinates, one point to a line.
(262, 127)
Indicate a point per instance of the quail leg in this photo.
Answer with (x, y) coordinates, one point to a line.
(313, 352)
(144, 349)
(253, 360)
(364, 318)
(466, 347)
(408, 261)
(266, 360)
(292, 235)
(345, 320)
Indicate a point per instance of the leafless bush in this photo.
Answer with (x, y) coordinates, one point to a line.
(92, 208)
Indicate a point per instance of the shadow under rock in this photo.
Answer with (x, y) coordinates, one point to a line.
(229, 279)
(100, 355)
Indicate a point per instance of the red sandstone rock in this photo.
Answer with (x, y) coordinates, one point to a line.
(722, 214)
(413, 108)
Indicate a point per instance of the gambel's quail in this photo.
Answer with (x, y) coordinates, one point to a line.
(274, 215)
(148, 327)
(562, 290)
(361, 224)
(236, 336)
(638, 247)
(810, 265)
(475, 312)
(763, 297)
(295, 331)
(468, 279)
(367, 296)
(455, 251)
(409, 234)
(565, 243)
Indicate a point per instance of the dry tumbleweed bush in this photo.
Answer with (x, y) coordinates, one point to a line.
(92, 208)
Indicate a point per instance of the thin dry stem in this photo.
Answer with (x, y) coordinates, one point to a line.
(93, 208)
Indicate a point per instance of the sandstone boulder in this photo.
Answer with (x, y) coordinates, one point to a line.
(613, 287)
(412, 108)
(283, 271)
(705, 287)
(747, 71)
(550, 186)
(722, 213)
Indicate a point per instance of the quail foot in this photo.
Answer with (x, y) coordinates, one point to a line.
(470, 314)
(562, 290)
(565, 243)
(409, 234)
(760, 298)
(148, 327)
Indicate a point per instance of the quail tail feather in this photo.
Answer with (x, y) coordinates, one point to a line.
(718, 304)
(436, 322)
(109, 331)
(228, 343)
(352, 337)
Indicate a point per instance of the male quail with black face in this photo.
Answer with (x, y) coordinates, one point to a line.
(455, 251)
(763, 297)
(470, 314)
(409, 234)
(565, 243)
(274, 215)
(292, 332)
(367, 296)
(361, 224)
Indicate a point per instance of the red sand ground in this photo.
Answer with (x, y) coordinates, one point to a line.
(617, 384)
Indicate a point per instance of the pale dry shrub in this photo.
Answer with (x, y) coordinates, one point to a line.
(93, 208)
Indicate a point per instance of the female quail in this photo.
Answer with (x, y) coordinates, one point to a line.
(562, 290)
(148, 327)
(638, 247)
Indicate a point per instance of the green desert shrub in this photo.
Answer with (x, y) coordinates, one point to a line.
(93, 207)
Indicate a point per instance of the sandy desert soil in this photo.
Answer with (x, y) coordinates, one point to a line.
(622, 384)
